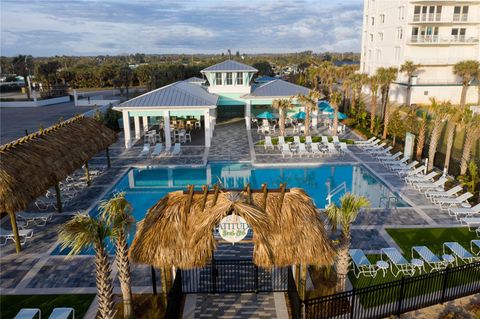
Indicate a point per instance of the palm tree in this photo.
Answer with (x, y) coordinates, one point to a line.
(441, 112)
(23, 66)
(344, 215)
(453, 120)
(471, 122)
(309, 102)
(282, 105)
(117, 211)
(386, 76)
(410, 69)
(466, 70)
(335, 99)
(358, 81)
(82, 232)
(422, 132)
(374, 84)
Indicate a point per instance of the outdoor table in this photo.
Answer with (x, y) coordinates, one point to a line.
(448, 258)
(293, 147)
(418, 263)
(383, 265)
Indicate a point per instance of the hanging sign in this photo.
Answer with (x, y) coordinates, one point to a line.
(233, 228)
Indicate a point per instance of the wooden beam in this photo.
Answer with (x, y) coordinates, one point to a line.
(109, 164)
(87, 174)
(282, 194)
(16, 237)
(216, 190)
(205, 196)
(212, 191)
(265, 194)
(59, 198)
(154, 280)
(190, 199)
(249, 194)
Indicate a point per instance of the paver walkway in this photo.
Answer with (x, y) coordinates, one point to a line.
(230, 142)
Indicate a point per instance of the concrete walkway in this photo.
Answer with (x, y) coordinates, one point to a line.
(230, 142)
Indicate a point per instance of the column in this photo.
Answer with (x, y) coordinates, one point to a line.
(209, 175)
(75, 97)
(208, 123)
(136, 121)
(126, 129)
(131, 179)
(314, 118)
(248, 112)
(145, 124)
(166, 128)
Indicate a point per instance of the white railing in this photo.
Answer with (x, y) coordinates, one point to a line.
(435, 39)
(335, 191)
(460, 16)
(420, 17)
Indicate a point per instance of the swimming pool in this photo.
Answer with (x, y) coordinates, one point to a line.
(144, 187)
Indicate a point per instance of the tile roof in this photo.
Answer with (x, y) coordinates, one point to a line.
(230, 65)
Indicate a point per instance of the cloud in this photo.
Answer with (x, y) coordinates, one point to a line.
(85, 27)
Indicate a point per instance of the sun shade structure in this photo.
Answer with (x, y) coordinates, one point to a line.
(178, 230)
(31, 165)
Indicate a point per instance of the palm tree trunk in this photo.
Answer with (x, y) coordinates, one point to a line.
(104, 284)
(373, 112)
(282, 121)
(421, 139)
(467, 148)
(409, 90)
(386, 120)
(124, 276)
(450, 137)
(303, 281)
(164, 282)
(353, 104)
(335, 121)
(307, 120)
(463, 97)
(432, 149)
(342, 264)
(27, 86)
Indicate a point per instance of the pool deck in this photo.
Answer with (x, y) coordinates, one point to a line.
(35, 271)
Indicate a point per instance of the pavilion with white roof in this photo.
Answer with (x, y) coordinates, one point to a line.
(227, 91)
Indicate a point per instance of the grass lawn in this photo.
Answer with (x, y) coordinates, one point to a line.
(406, 238)
(11, 304)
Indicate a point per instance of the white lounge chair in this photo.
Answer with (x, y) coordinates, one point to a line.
(29, 313)
(387, 158)
(411, 172)
(331, 149)
(268, 142)
(475, 246)
(373, 143)
(369, 141)
(425, 186)
(459, 252)
(177, 149)
(398, 262)
(429, 257)
(145, 151)
(325, 140)
(315, 149)
(302, 150)
(449, 202)
(399, 167)
(39, 219)
(449, 193)
(157, 150)
(473, 223)
(395, 162)
(24, 234)
(308, 139)
(465, 211)
(296, 139)
(421, 178)
(281, 141)
(374, 148)
(286, 150)
(344, 148)
(62, 313)
(335, 140)
(361, 264)
(381, 152)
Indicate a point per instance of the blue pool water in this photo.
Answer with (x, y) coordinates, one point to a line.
(144, 187)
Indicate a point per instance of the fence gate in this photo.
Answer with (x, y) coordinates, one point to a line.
(233, 276)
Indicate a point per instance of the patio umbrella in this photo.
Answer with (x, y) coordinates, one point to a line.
(325, 107)
(265, 115)
(300, 116)
(341, 116)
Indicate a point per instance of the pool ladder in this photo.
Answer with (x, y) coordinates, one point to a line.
(335, 191)
(389, 202)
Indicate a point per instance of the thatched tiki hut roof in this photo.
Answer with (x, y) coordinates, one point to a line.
(178, 230)
(32, 164)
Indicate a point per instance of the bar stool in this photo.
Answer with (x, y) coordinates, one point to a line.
(188, 137)
(198, 125)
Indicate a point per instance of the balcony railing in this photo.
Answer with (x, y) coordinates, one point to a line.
(435, 39)
(420, 17)
(460, 17)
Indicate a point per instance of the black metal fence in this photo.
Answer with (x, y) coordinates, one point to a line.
(397, 297)
(233, 276)
(174, 298)
(293, 297)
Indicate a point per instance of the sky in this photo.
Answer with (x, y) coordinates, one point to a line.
(87, 27)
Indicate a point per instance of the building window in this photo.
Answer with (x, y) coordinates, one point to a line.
(380, 36)
(239, 78)
(401, 13)
(458, 34)
(218, 78)
(373, 20)
(371, 37)
(379, 54)
(460, 13)
(229, 80)
(399, 33)
(382, 18)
